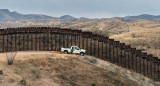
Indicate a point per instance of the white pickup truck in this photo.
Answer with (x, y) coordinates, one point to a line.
(74, 49)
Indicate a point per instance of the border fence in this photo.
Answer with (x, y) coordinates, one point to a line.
(53, 38)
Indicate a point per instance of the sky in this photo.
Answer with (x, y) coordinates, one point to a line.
(83, 8)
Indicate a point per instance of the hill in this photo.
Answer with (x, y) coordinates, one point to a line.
(148, 40)
(54, 69)
(6, 15)
(143, 16)
(66, 17)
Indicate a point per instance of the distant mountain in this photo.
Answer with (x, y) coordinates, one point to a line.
(6, 15)
(143, 16)
(84, 18)
(67, 17)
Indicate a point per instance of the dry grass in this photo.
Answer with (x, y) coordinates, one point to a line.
(48, 69)
(147, 40)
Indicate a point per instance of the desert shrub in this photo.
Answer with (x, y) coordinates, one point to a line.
(133, 35)
(101, 32)
(23, 82)
(93, 84)
(1, 72)
(10, 57)
(155, 78)
(36, 73)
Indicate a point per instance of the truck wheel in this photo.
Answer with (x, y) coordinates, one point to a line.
(82, 54)
(66, 52)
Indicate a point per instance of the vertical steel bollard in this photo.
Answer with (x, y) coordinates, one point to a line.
(94, 47)
(140, 64)
(158, 69)
(3, 43)
(154, 67)
(15, 41)
(27, 41)
(63, 39)
(49, 35)
(91, 45)
(106, 55)
(39, 41)
(136, 63)
(148, 66)
(55, 41)
(23, 41)
(151, 68)
(59, 41)
(128, 60)
(121, 56)
(35, 41)
(117, 54)
(109, 55)
(143, 58)
(19, 42)
(31, 41)
(113, 53)
(98, 47)
(79, 40)
(87, 46)
(75, 39)
(125, 58)
(133, 60)
(83, 42)
(11, 41)
(51, 42)
(43, 41)
(7, 40)
(67, 40)
(71, 39)
(102, 49)
(48, 41)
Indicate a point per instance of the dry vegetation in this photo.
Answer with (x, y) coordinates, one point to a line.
(48, 69)
(147, 40)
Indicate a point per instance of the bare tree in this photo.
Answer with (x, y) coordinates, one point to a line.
(10, 57)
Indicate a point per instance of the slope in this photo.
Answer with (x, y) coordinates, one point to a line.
(48, 69)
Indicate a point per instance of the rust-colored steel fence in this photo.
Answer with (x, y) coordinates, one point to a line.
(52, 38)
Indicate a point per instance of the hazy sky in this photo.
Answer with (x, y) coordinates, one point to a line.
(83, 8)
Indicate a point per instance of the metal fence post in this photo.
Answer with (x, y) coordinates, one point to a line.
(3, 43)
(11, 42)
(55, 42)
(39, 41)
(91, 45)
